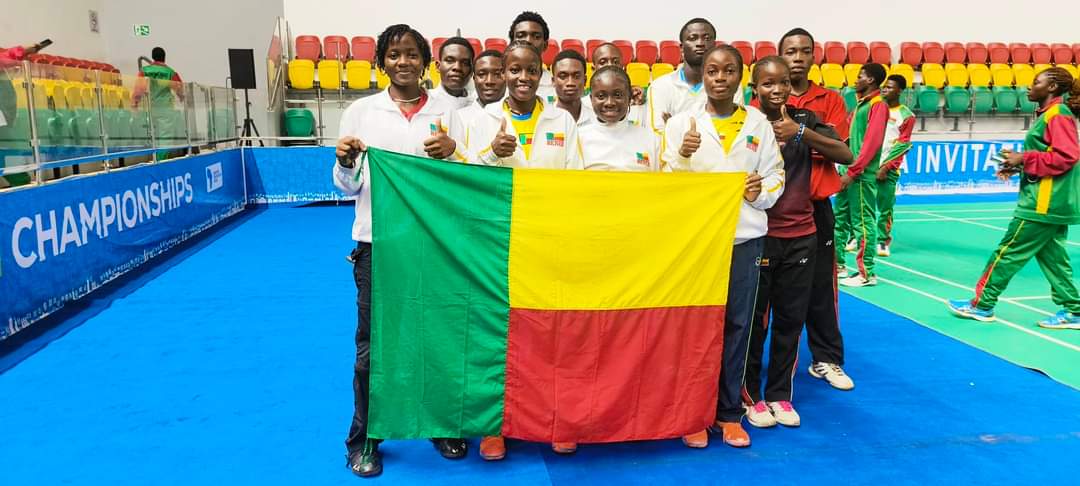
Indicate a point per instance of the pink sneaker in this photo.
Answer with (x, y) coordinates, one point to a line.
(784, 413)
(759, 415)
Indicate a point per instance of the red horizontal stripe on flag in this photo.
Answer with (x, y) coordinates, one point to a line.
(612, 375)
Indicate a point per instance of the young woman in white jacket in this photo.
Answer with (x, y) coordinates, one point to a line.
(613, 142)
(722, 136)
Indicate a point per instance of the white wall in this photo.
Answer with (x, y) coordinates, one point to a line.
(843, 20)
(66, 22)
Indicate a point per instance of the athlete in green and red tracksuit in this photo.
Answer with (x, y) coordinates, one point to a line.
(859, 182)
(1049, 201)
(896, 146)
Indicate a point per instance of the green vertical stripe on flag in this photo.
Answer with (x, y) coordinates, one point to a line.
(440, 298)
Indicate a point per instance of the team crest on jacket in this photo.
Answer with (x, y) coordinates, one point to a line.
(556, 139)
(752, 143)
(643, 159)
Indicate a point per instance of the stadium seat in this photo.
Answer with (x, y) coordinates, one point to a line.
(819, 53)
(857, 52)
(381, 79)
(551, 51)
(436, 44)
(1019, 53)
(646, 51)
(904, 70)
(661, 68)
(434, 75)
(336, 47)
(746, 76)
(1023, 75)
(1070, 68)
(851, 73)
(1062, 53)
(670, 52)
(308, 47)
(933, 75)
(880, 52)
(592, 44)
(639, 74)
(574, 45)
(589, 70)
(1005, 99)
(746, 49)
(982, 100)
(957, 99)
(978, 74)
(814, 74)
(832, 75)
(477, 46)
(1041, 67)
(956, 75)
(1001, 74)
(997, 53)
(363, 48)
(907, 97)
(1026, 105)
(1076, 52)
(763, 49)
(330, 74)
(933, 53)
(1041, 53)
(495, 44)
(835, 52)
(626, 48)
(911, 53)
(299, 123)
(850, 98)
(977, 53)
(302, 73)
(955, 52)
(358, 74)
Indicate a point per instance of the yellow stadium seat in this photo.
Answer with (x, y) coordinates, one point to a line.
(381, 79)
(661, 68)
(956, 74)
(358, 74)
(933, 75)
(1042, 67)
(832, 75)
(904, 70)
(851, 73)
(433, 74)
(639, 74)
(814, 74)
(589, 69)
(1024, 74)
(1001, 74)
(302, 74)
(1070, 68)
(43, 90)
(330, 74)
(73, 94)
(746, 74)
(979, 75)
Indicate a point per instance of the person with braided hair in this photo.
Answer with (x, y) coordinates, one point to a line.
(1047, 204)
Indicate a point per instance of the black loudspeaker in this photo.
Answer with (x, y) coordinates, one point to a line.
(242, 68)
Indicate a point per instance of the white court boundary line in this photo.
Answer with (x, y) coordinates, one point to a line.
(961, 286)
(1032, 297)
(998, 210)
(940, 219)
(973, 222)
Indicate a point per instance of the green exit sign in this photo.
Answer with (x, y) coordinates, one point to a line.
(142, 30)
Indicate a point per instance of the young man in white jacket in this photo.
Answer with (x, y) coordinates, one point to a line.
(523, 131)
(402, 118)
(613, 142)
(530, 27)
(455, 65)
(722, 136)
(490, 85)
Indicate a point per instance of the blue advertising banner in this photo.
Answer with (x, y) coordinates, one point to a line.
(290, 174)
(61, 241)
(954, 167)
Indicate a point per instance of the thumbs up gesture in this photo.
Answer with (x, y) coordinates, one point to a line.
(439, 145)
(785, 128)
(504, 144)
(691, 142)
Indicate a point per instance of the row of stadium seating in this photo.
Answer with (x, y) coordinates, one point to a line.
(649, 52)
(956, 100)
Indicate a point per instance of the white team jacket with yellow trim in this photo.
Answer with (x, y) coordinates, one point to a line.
(754, 150)
(671, 94)
(554, 146)
(621, 146)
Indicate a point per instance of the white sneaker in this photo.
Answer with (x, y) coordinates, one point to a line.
(842, 272)
(759, 415)
(784, 413)
(858, 281)
(851, 246)
(883, 250)
(833, 374)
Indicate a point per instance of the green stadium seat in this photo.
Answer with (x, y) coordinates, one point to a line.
(908, 98)
(982, 99)
(957, 99)
(1005, 99)
(1026, 105)
(299, 123)
(929, 98)
(850, 98)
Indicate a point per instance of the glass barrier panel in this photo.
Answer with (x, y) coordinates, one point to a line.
(224, 114)
(16, 152)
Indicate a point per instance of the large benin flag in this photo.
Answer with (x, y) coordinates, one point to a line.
(546, 305)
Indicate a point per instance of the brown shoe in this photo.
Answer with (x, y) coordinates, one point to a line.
(564, 447)
(699, 440)
(734, 434)
(492, 448)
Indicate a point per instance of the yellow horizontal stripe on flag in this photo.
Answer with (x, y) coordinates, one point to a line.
(611, 240)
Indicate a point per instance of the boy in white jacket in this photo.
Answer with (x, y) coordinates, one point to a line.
(722, 136)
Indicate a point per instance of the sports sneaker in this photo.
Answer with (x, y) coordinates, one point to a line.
(851, 246)
(857, 280)
(785, 414)
(833, 374)
(883, 250)
(1061, 320)
(842, 272)
(699, 440)
(760, 416)
(963, 308)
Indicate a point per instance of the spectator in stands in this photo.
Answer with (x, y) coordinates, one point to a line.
(896, 146)
(530, 27)
(455, 65)
(490, 85)
(568, 69)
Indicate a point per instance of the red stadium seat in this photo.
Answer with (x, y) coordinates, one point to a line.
(573, 45)
(1020, 53)
(646, 51)
(881, 53)
(308, 47)
(977, 53)
(436, 44)
(911, 53)
(1040, 53)
(592, 44)
(997, 52)
(746, 49)
(858, 52)
(551, 51)
(763, 49)
(476, 45)
(819, 53)
(626, 49)
(835, 52)
(955, 52)
(933, 53)
(363, 48)
(670, 52)
(1063, 54)
(336, 47)
(1076, 52)
(495, 43)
